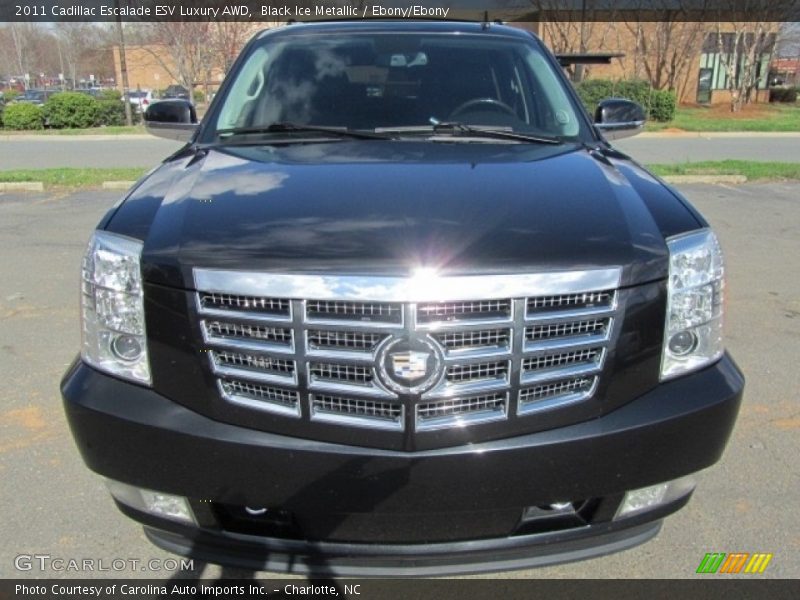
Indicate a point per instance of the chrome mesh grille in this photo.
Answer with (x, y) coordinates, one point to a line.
(328, 359)
(381, 312)
(478, 371)
(467, 340)
(461, 411)
(547, 396)
(247, 304)
(447, 311)
(562, 359)
(584, 301)
(357, 412)
(342, 373)
(248, 332)
(344, 340)
(250, 361)
(568, 329)
(261, 393)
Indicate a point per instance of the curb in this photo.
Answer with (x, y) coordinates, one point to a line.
(117, 185)
(21, 186)
(718, 134)
(732, 179)
(89, 137)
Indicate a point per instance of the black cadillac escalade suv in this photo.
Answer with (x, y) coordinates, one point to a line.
(398, 307)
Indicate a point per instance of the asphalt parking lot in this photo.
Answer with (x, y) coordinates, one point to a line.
(53, 505)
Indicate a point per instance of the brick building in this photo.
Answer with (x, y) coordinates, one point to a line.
(688, 57)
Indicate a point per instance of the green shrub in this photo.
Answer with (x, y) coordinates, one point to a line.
(593, 91)
(198, 96)
(70, 110)
(658, 104)
(11, 94)
(23, 116)
(109, 94)
(783, 94)
(110, 112)
(638, 91)
(663, 104)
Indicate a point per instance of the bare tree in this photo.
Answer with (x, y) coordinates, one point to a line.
(75, 41)
(28, 49)
(23, 36)
(588, 27)
(665, 49)
(742, 49)
(227, 39)
(181, 48)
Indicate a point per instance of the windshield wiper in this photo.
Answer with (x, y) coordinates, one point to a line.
(457, 128)
(296, 128)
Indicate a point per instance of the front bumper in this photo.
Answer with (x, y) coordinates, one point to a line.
(353, 510)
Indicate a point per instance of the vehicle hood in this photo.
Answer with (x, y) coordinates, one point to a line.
(367, 207)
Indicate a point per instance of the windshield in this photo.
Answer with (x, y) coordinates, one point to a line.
(368, 81)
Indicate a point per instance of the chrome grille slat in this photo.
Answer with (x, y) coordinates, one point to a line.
(358, 312)
(573, 333)
(252, 307)
(562, 359)
(253, 366)
(261, 397)
(350, 374)
(547, 396)
(351, 341)
(458, 374)
(570, 305)
(453, 412)
(568, 329)
(252, 361)
(248, 336)
(562, 363)
(472, 310)
(553, 340)
(475, 342)
(356, 412)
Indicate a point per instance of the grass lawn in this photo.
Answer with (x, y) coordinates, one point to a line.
(72, 177)
(750, 169)
(112, 130)
(85, 178)
(752, 117)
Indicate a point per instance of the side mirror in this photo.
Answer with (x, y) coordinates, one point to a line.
(619, 118)
(171, 119)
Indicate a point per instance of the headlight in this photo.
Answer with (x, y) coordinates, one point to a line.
(112, 307)
(693, 328)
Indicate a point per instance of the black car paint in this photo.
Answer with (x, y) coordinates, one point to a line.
(384, 207)
(459, 207)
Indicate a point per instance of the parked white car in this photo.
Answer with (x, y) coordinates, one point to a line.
(140, 99)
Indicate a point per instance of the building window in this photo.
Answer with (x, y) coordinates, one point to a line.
(711, 58)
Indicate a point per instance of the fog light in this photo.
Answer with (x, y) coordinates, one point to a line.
(653, 496)
(682, 343)
(160, 504)
(126, 347)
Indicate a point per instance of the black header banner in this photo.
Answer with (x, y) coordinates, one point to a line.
(305, 10)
